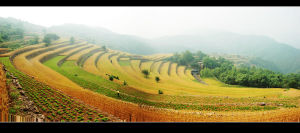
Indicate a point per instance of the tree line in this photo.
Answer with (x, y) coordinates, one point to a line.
(225, 71)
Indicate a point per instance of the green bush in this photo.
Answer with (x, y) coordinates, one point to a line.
(146, 73)
(157, 79)
(160, 92)
(206, 72)
(14, 95)
(105, 119)
(111, 78)
(12, 111)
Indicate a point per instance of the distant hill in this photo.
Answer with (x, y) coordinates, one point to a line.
(101, 36)
(239, 60)
(265, 51)
(28, 28)
(285, 57)
(15, 33)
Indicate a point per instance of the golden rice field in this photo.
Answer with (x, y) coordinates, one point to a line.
(140, 100)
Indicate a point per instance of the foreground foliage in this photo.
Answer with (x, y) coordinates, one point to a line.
(55, 105)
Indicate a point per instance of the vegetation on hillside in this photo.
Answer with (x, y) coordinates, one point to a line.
(284, 57)
(49, 37)
(187, 58)
(53, 104)
(13, 34)
(226, 72)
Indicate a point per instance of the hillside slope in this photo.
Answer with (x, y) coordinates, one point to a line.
(103, 36)
(285, 57)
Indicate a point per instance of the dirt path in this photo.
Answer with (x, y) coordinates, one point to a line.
(198, 79)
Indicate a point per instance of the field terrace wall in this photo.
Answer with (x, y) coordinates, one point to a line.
(122, 56)
(98, 57)
(177, 67)
(185, 68)
(160, 66)
(4, 50)
(169, 69)
(111, 55)
(81, 60)
(141, 61)
(24, 50)
(34, 54)
(47, 57)
(152, 65)
(65, 58)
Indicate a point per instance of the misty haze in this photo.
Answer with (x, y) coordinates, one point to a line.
(149, 64)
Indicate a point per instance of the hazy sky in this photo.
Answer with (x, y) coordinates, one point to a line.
(280, 23)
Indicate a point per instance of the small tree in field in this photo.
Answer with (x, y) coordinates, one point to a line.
(36, 40)
(157, 79)
(72, 40)
(111, 78)
(124, 83)
(49, 37)
(47, 40)
(104, 48)
(146, 73)
(160, 92)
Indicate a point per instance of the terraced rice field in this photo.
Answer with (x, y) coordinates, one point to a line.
(80, 72)
(55, 105)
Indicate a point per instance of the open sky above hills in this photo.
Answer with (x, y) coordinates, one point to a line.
(280, 23)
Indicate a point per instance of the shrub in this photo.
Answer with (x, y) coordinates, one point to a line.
(160, 92)
(146, 73)
(111, 78)
(49, 117)
(105, 119)
(12, 111)
(14, 95)
(157, 79)
(206, 72)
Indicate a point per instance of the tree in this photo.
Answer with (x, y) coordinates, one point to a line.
(211, 63)
(111, 77)
(206, 72)
(72, 40)
(146, 73)
(1, 40)
(104, 48)
(52, 36)
(49, 37)
(47, 40)
(36, 40)
(187, 57)
(157, 79)
(160, 92)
